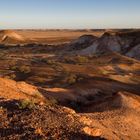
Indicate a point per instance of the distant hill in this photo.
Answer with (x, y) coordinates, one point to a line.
(82, 42)
(125, 43)
(11, 37)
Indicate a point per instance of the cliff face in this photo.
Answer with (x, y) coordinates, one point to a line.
(123, 43)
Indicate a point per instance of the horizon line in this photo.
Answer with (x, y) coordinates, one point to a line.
(69, 28)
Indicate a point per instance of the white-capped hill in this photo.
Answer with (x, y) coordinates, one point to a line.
(126, 43)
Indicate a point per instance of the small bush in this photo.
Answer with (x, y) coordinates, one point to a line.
(12, 76)
(37, 95)
(69, 60)
(24, 69)
(76, 60)
(13, 68)
(47, 61)
(26, 104)
(70, 79)
(82, 59)
(51, 102)
(3, 56)
(39, 80)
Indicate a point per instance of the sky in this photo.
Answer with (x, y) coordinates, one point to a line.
(69, 14)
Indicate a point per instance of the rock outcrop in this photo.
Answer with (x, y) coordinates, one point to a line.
(125, 43)
(81, 43)
(10, 37)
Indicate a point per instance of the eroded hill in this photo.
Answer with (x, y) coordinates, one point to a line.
(86, 89)
(11, 37)
(126, 43)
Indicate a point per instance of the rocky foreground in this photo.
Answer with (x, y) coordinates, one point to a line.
(28, 117)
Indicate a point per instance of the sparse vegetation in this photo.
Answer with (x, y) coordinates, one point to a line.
(48, 61)
(22, 69)
(82, 59)
(3, 56)
(38, 95)
(51, 101)
(38, 79)
(12, 76)
(26, 104)
(71, 79)
(77, 60)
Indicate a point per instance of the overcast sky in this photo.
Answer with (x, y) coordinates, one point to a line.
(69, 14)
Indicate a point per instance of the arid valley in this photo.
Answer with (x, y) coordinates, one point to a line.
(70, 84)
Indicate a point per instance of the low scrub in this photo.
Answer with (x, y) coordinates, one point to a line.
(71, 78)
(38, 80)
(77, 60)
(82, 59)
(51, 102)
(26, 104)
(22, 69)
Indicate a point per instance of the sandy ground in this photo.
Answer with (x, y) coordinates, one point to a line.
(55, 37)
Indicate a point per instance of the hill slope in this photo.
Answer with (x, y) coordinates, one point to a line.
(10, 37)
(112, 118)
(126, 43)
